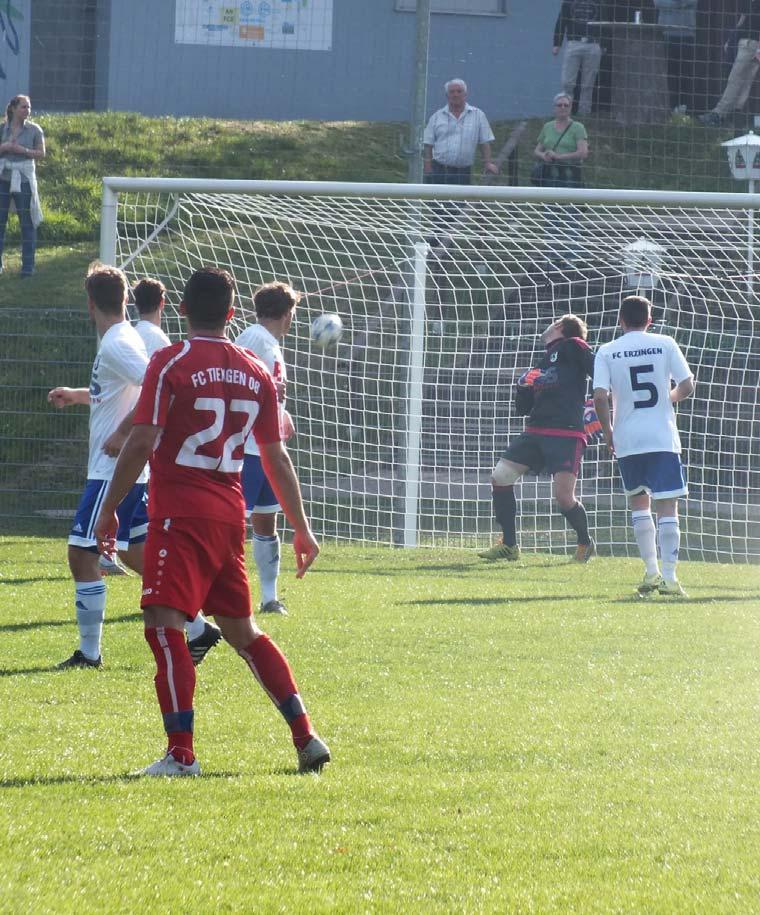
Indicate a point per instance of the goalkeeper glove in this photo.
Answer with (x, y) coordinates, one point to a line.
(527, 379)
(591, 425)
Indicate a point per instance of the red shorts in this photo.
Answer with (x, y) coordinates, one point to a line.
(193, 564)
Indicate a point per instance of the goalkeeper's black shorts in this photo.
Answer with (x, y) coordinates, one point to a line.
(547, 453)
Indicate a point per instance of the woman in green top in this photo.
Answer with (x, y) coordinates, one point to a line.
(563, 146)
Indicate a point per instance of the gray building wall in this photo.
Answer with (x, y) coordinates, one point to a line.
(367, 75)
(63, 75)
(15, 39)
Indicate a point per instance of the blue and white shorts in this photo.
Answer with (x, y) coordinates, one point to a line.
(132, 513)
(660, 473)
(259, 495)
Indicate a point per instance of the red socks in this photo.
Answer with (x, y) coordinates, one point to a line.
(270, 667)
(175, 685)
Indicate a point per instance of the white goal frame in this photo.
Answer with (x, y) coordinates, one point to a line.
(738, 281)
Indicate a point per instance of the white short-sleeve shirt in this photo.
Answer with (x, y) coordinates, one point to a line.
(152, 336)
(639, 368)
(257, 340)
(117, 375)
(454, 140)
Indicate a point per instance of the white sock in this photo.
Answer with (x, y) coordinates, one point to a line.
(91, 611)
(266, 552)
(669, 536)
(644, 532)
(196, 627)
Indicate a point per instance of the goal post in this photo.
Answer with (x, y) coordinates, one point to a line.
(443, 292)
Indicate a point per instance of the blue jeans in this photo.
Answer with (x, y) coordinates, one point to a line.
(23, 201)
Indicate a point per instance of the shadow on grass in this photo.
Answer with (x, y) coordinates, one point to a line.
(485, 601)
(436, 568)
(51, 780)
(23, 671)
(28, 581)
(663, 600)
(21, 627)
(38, 624)
(479, 565)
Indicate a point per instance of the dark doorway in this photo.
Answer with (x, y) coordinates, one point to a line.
(62, 54)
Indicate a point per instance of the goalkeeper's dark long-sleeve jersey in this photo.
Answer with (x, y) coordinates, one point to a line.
(555, 399)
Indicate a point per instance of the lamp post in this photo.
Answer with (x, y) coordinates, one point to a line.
(744, 161)
(642, 260)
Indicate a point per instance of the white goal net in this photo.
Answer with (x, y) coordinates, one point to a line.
(443, 293)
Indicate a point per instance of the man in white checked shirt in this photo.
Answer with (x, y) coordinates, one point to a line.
(452, 137)
(646, 374)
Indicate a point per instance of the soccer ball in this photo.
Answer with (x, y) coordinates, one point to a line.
(326, 330)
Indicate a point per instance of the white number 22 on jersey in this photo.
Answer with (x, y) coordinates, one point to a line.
(188, 454)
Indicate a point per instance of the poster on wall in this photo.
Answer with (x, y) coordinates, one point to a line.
(302, 25)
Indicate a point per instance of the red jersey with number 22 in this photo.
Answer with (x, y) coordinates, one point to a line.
(207, 395)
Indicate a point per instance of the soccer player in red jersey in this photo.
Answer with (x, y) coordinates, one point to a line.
(200, 400)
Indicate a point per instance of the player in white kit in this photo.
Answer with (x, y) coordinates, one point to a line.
(117, 375)
(646, 374)
(115, 383)
(275, 305)
(150, 297)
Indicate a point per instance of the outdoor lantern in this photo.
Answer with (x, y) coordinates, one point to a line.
(744, 160)
(641, 263)
(744, 157)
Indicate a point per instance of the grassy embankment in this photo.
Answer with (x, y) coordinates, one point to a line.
(82, 148)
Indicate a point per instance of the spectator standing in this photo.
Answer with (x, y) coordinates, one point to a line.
(680, 17)
(583, 52)
(562, 146)
(21, 144)
(746, 64)
(452, 137)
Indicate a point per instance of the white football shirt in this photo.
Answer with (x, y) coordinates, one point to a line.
(117, 375)
(257, 340)
(152, 336)
(638, 369)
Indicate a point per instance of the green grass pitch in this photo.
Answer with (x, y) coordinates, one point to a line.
(524, 737)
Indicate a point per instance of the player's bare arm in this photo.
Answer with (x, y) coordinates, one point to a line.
(682, 390)
(287, 429)
(602, 407)
(69, 397)
(279, 470)
(133, 457)
(115, 441)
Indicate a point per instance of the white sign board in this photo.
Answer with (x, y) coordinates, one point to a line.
(302, 25)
